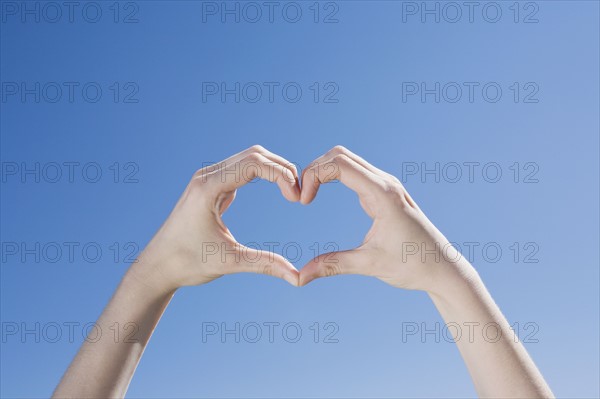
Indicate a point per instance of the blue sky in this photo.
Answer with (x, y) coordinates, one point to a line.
(155, 124)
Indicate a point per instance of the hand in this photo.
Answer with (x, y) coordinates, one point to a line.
(402, 248)
(194, 246)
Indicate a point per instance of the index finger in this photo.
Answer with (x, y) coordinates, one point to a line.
(342, 168)
(255, 165)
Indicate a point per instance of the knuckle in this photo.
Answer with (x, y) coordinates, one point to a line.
(395, 194)
(339, 149)
(197, 174)
(199, 182)
(200, 176)
(341, 159)
(208, 169)
(267, 269)
(254, 157)
(292, 168)
(395, 180)
(331, 269)
(258, 148)
(391, 189)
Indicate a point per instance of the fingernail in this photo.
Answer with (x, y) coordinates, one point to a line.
(289, 176)
(303, 198)
(302, 281)
(297, 189)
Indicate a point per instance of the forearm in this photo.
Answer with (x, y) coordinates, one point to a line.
(498, 363)
(176, 257)
(105, 364)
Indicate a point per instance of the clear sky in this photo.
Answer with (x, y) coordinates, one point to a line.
(147, 100)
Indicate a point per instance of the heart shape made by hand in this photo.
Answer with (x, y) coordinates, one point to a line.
(392, 250)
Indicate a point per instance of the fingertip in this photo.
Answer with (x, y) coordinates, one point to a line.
(310, 186)
(289, 175)
(292, 279)
(288, 272)
(290, 192)
(297, 190)
(294, 170)
(307, 273)
(289, 186)
(304, 279)
(292, 275)
(307, 195)
(301, 281)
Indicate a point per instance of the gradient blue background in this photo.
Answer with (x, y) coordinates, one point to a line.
(170, 133)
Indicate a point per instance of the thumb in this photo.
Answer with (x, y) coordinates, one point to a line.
(334, 263)
(265, 262)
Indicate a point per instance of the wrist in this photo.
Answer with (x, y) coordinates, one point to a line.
(148, 277)
(455, 280)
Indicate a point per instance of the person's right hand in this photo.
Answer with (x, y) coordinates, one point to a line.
(194, 246)
(402, 248)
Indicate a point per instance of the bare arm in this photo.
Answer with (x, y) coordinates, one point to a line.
(498, 363)
(106, 362)
(187, 250)
(404, 249)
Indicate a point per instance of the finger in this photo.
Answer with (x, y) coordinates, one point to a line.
(341, 168)
(334, 263)
(341, 150)
(241, 155)
(252, 166)
(251, 260)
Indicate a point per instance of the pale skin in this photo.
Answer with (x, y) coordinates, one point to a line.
(177, 257)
